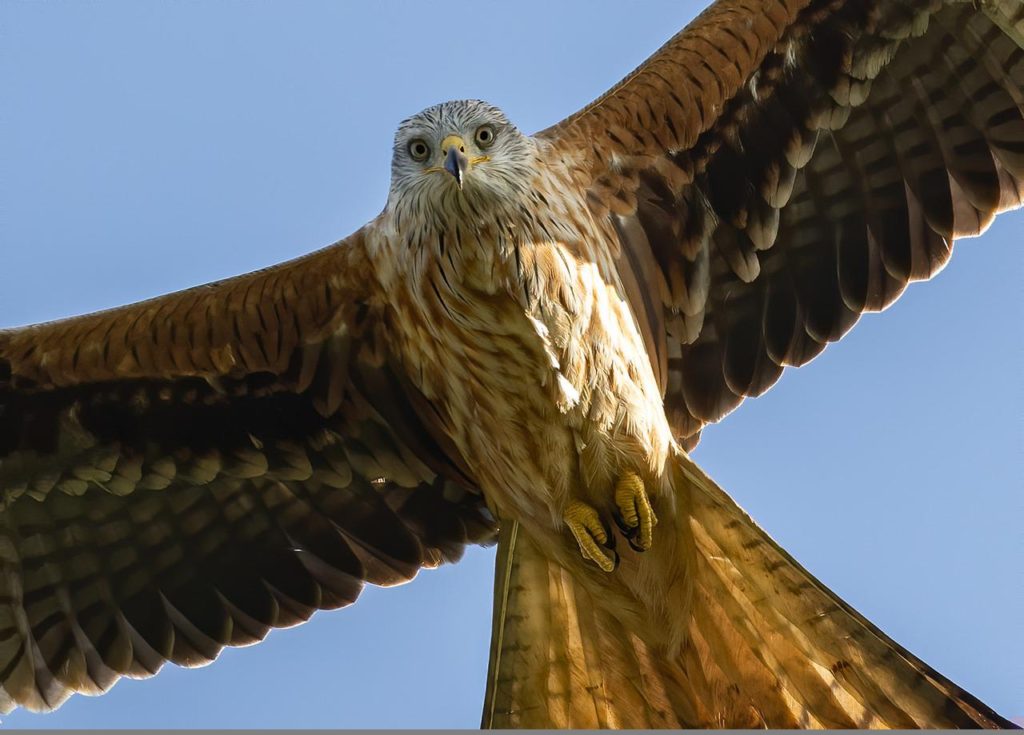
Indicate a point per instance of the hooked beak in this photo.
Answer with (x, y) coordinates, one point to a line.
(455, 161)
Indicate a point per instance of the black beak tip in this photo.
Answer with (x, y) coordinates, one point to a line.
(456, 163)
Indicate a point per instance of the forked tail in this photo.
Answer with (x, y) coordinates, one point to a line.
(768, 646)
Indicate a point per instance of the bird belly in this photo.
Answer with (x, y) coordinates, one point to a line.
(542, 376)
(486, 368)
(539, 373)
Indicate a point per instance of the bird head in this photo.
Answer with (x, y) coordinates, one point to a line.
(460, 153)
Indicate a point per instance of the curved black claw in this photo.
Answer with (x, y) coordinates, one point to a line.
(628, 532)
(633, 543)
(610, 542)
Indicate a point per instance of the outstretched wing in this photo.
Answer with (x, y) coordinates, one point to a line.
(189, 472)
(782, 166)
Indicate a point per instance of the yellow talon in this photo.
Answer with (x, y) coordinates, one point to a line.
(635, 508)
(590, 534)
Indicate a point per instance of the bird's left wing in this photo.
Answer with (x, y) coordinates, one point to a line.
(189, 472)
(781, 166)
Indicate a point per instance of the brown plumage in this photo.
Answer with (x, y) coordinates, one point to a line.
(186, 473)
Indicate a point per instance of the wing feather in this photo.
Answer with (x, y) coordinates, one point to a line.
(792, 165)
(187, 473)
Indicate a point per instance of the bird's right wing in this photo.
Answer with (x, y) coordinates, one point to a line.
(189, 472)
(768, 645)
(780, 167)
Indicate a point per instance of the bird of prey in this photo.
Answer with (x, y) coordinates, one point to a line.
(523, 346)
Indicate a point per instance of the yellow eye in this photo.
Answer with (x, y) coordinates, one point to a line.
(419, 150)
(484, 136)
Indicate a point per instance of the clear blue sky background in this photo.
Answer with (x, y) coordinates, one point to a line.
(147, 147)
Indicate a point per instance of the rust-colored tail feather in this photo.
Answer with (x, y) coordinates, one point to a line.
(768, 646)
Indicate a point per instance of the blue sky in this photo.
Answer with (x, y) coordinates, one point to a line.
(147, 147)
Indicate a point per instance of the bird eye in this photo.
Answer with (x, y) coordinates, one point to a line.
(484, 136)
(419, 150)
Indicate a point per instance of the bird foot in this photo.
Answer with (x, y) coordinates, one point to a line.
(636, 517)
(595, 541)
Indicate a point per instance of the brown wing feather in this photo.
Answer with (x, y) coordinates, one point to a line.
(250, 324)
(791, 165)
(187, 473)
